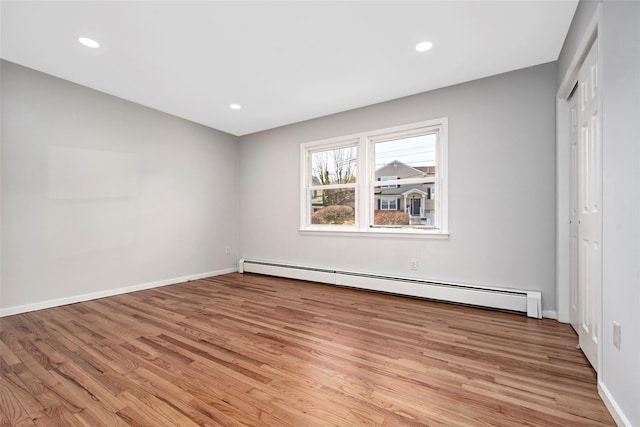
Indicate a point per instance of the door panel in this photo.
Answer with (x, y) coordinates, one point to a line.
(574, 304)
(415, 206)
(589, 186)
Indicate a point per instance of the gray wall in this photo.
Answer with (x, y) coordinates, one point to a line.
(99, 193)
(501, 180)
(619, 56)
(620, 89)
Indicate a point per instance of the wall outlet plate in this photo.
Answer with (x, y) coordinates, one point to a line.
(616, 335)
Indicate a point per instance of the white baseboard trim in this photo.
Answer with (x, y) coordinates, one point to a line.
(525, 301)
(8, 311)
(550, 314)
(612, 406)
(210, 274)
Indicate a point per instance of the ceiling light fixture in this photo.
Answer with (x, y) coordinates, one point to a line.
(89, 42)
(424, 46)
(235, 106)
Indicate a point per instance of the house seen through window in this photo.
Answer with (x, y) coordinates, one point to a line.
(390, 180)
(397, 160)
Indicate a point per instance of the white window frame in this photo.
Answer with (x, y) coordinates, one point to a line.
(366, 182)
(308, 187)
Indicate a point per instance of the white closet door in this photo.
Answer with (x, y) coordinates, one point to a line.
(589, 208)
(574, 292)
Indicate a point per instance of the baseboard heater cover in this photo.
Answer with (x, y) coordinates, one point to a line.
(529, 302)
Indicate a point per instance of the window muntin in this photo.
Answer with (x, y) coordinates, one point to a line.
(399, 185)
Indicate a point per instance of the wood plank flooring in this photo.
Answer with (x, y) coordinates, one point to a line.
(249, 350)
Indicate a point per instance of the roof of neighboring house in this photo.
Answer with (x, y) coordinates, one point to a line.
(429, 170)
(409, 171)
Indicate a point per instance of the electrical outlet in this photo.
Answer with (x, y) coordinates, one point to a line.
(413, 264)
(616, 335)
(227, 250)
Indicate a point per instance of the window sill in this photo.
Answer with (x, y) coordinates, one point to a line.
(380, 233)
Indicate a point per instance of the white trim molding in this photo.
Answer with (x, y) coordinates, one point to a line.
(529, 302)
(571, 75)
(8, 311)
(618, 416)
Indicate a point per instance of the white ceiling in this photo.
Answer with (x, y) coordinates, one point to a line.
(284, 61)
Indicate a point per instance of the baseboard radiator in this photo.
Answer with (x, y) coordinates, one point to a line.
(529, 302)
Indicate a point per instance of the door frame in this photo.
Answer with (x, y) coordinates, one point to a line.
(563, 193)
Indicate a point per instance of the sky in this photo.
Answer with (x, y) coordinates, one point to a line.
(415, 151)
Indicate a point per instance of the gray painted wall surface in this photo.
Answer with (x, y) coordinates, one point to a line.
(501, 181)
(99, 193)
(620, 89)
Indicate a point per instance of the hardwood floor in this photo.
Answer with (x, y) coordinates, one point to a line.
(239, 350)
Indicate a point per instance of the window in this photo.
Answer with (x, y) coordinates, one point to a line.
(388, 178)
(388, 204)
(332, 175)
(385, 181)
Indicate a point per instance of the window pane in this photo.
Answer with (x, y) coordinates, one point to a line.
(333, 206)
(335, 166)
(389, 204)
(404, 206)
(406, 158)
(403, 166)
(388, 178)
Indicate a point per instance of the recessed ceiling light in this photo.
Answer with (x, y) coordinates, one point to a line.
(235, 106)
(89, 42)
(424, 46)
